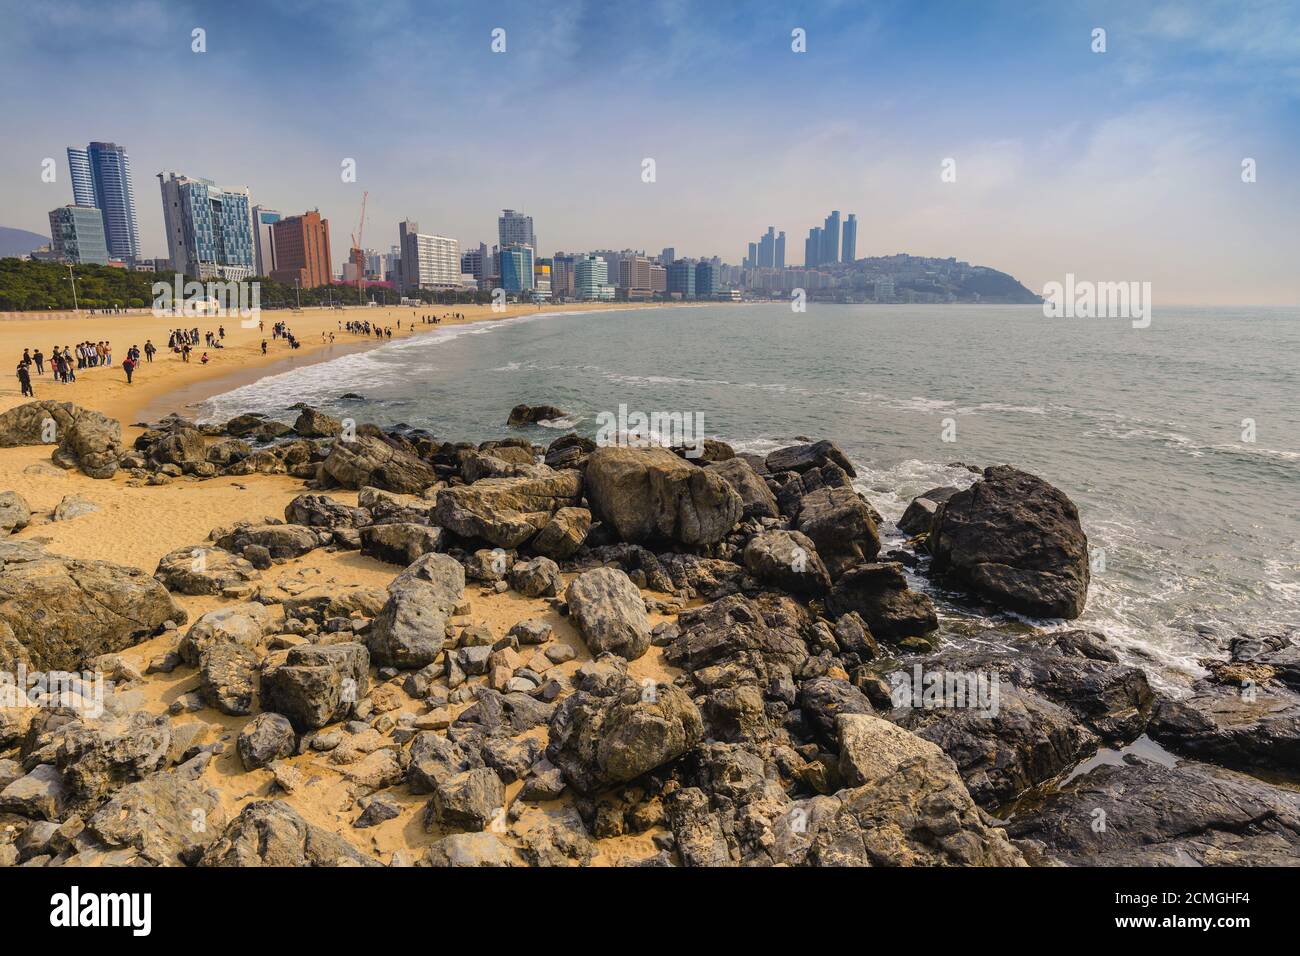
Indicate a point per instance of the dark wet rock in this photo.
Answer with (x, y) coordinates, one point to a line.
(1251, 728)
(368, 460)
(411, 629)
(920, 512)
(879, 593)
(532, 414)
(507, 512)
(271, 833)
(1016, 541)
(609, 613)
(801, 458)
(265, 738)
(757, 500)
(842, 527)
(401, 544)
(604, 735)
(1140, 813)
(788, 560)
(650, 495)
(64, 611)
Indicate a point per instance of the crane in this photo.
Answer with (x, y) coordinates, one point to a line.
(358, 251)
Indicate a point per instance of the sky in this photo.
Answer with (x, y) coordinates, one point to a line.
(1122, 165)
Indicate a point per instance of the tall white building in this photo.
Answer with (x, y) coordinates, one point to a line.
(264, 239)
(516, 229)
(591, 279)
(428, 262)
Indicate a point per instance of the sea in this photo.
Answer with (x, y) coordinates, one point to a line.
(1179, 442)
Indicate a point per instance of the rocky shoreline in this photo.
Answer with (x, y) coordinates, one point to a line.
(751, 679)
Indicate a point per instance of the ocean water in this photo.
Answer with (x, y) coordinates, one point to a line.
(1145, 429)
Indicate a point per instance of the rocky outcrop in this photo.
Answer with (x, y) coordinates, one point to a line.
(649, 495)
(1016, 541)
(788, 560)
(64, 612)
(506, 512)
(271, 833)
(313, 423)
(609, 613)
(842, 527)
(532, 414)
(368, 460)
(203, 569)
(756, 498)
(879, 593)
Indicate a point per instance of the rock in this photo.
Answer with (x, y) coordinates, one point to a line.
(246, 424)
(824, 700)
(314, 685)
(539, 577)
(265, 738)
(400, 543)
(65, 611)
(1016, 541)
(243, 625)
(920, 512)
(283, 541)
(271, 833)
(601, 736)
(203, 569)
(38, 795)
(872, 748)
(166, 818)
(436, 759)
(609, 612)
(650, 495)
(556, 838)
(14, 512)
(313, 423)
(92, 442)
(531, 631)
(563, 534)
(532, 414)
(368, 460)
(471, 850)
(1140, 813)
(757, 500)
(470, 801)
(506, 462)
(842, 527)
(789, 560)
(801, 458)
(73, 506)
(179, 444)
(36, 423)
(1256, 729)
(227, 451)
(411, 629)
(322, 511)
(97, 758)
(227, 675)
(739, 638)
(506, 512)
(880, 595)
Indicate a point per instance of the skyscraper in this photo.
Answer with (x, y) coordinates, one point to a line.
(591, 279)
(516, 229)
(681, 279)
(850, 251)
(302, 251)
(517, 268)
(209, 228)
(101, 177)
(767, 249)
(812, 248)
(780, 251)
(78, 234)
(427, 262)
(263, 240)
(830, 239)
(707, 279)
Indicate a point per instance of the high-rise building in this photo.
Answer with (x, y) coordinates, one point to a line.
(591, 279)
(667, 256)
(101, 177)
(263, 238)
(516, 229)
(302, 251)
(767, 249)
(517, 268)
(707, 279)
(780, 250)
(850, 251)
(830, 251)
(658, 280)
(209, 228)
(634, 276)
(681, 279)
(812, 248)
(427, 262)
(542, 281)
(78, 234)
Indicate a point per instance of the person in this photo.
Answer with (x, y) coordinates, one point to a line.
(39, 358)
(185, 352)
(204, 358)
(149, 350)
(263, 346)
(25, 380)
(128, 366)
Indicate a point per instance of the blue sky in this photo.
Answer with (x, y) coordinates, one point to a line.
(1123, 165)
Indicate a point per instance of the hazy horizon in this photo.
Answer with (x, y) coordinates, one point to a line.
(1117, 166)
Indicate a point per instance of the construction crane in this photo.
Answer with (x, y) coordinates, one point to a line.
(358, 251)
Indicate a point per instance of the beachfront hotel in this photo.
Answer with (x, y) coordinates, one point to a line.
(427, 262)
(209, 228)
(302, 250)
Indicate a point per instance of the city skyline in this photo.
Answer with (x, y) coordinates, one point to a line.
(1160, 124)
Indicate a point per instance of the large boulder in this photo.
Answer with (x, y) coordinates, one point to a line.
(532, 414)
(36, 423)
(506, 512)
(650, 495)
(789, 560)
(64, 612)
(314, 685)
(400, 543)
(180, 444)
(203, 569)
(613, 731)
(841, 525)
(283, 541)
(801, 458)
(271, 833)
(609, 612)
(564, 534)
(159, 817)
(235, 625)
(368, 460)
(322, 511)
(93, 443)
(14, 512)
(756, 498)
(313, 423)
(1016, 541)
(921, 510)
(411, 629)
(880, 594)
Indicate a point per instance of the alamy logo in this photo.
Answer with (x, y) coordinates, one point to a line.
(243, 299)
(634, 429)
(73, 909)
(1081, 299)
(945, 690)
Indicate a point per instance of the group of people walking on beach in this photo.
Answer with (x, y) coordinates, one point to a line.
(65, 362)
(365, 328)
